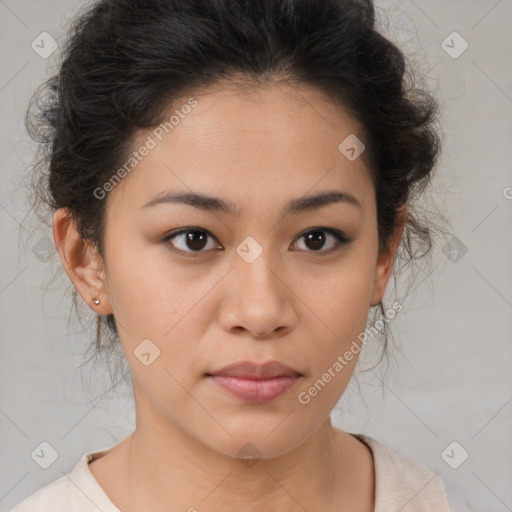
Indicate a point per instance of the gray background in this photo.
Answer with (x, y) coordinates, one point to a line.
(450, 377)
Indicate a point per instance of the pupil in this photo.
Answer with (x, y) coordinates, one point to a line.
(318, 239)
(196, 239)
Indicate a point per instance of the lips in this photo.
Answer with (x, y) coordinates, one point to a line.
(250, 370)
(256, 383)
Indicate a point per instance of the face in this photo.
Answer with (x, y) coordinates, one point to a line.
(196, 287)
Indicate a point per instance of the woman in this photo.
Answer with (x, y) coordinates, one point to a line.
(231, 182)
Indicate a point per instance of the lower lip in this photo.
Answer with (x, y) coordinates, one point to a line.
(256, 391)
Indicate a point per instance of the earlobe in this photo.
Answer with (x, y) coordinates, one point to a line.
(81, 262)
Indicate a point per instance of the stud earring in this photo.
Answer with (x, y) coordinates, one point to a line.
(97, 301)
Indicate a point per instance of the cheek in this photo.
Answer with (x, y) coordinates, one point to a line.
(156, 299)
(341, 304)
(145, 291)
(342, 297)
(158, 313)
(343, 310)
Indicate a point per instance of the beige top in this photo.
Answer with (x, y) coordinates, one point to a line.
(400, 485)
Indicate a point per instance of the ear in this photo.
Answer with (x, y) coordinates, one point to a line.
(82, 262)
(386, 259)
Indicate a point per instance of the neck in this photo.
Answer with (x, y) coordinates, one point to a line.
(160, 464)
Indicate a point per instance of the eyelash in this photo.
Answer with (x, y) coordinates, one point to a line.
(341, 239)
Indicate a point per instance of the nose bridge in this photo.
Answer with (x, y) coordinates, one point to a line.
(253, 265)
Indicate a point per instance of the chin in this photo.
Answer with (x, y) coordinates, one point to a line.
(257, 440)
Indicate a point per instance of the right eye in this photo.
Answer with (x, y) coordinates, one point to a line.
(192, 240)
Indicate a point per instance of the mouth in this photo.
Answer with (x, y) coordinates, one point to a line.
(256, 383)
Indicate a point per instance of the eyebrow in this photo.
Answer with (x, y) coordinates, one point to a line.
(215, 204)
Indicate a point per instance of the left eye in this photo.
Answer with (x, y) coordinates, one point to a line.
(316, 238)
(195, 240)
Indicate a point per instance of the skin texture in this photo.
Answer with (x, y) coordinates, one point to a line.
(296, 304)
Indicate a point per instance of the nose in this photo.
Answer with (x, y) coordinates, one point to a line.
(257, 299)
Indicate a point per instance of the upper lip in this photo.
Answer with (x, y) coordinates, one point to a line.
(251, 370)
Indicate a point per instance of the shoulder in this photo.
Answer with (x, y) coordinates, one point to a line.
(403, 484)
(76, 491)
(51, 496)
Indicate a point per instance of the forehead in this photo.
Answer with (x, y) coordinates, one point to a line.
(237, 141)
(225, 113)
